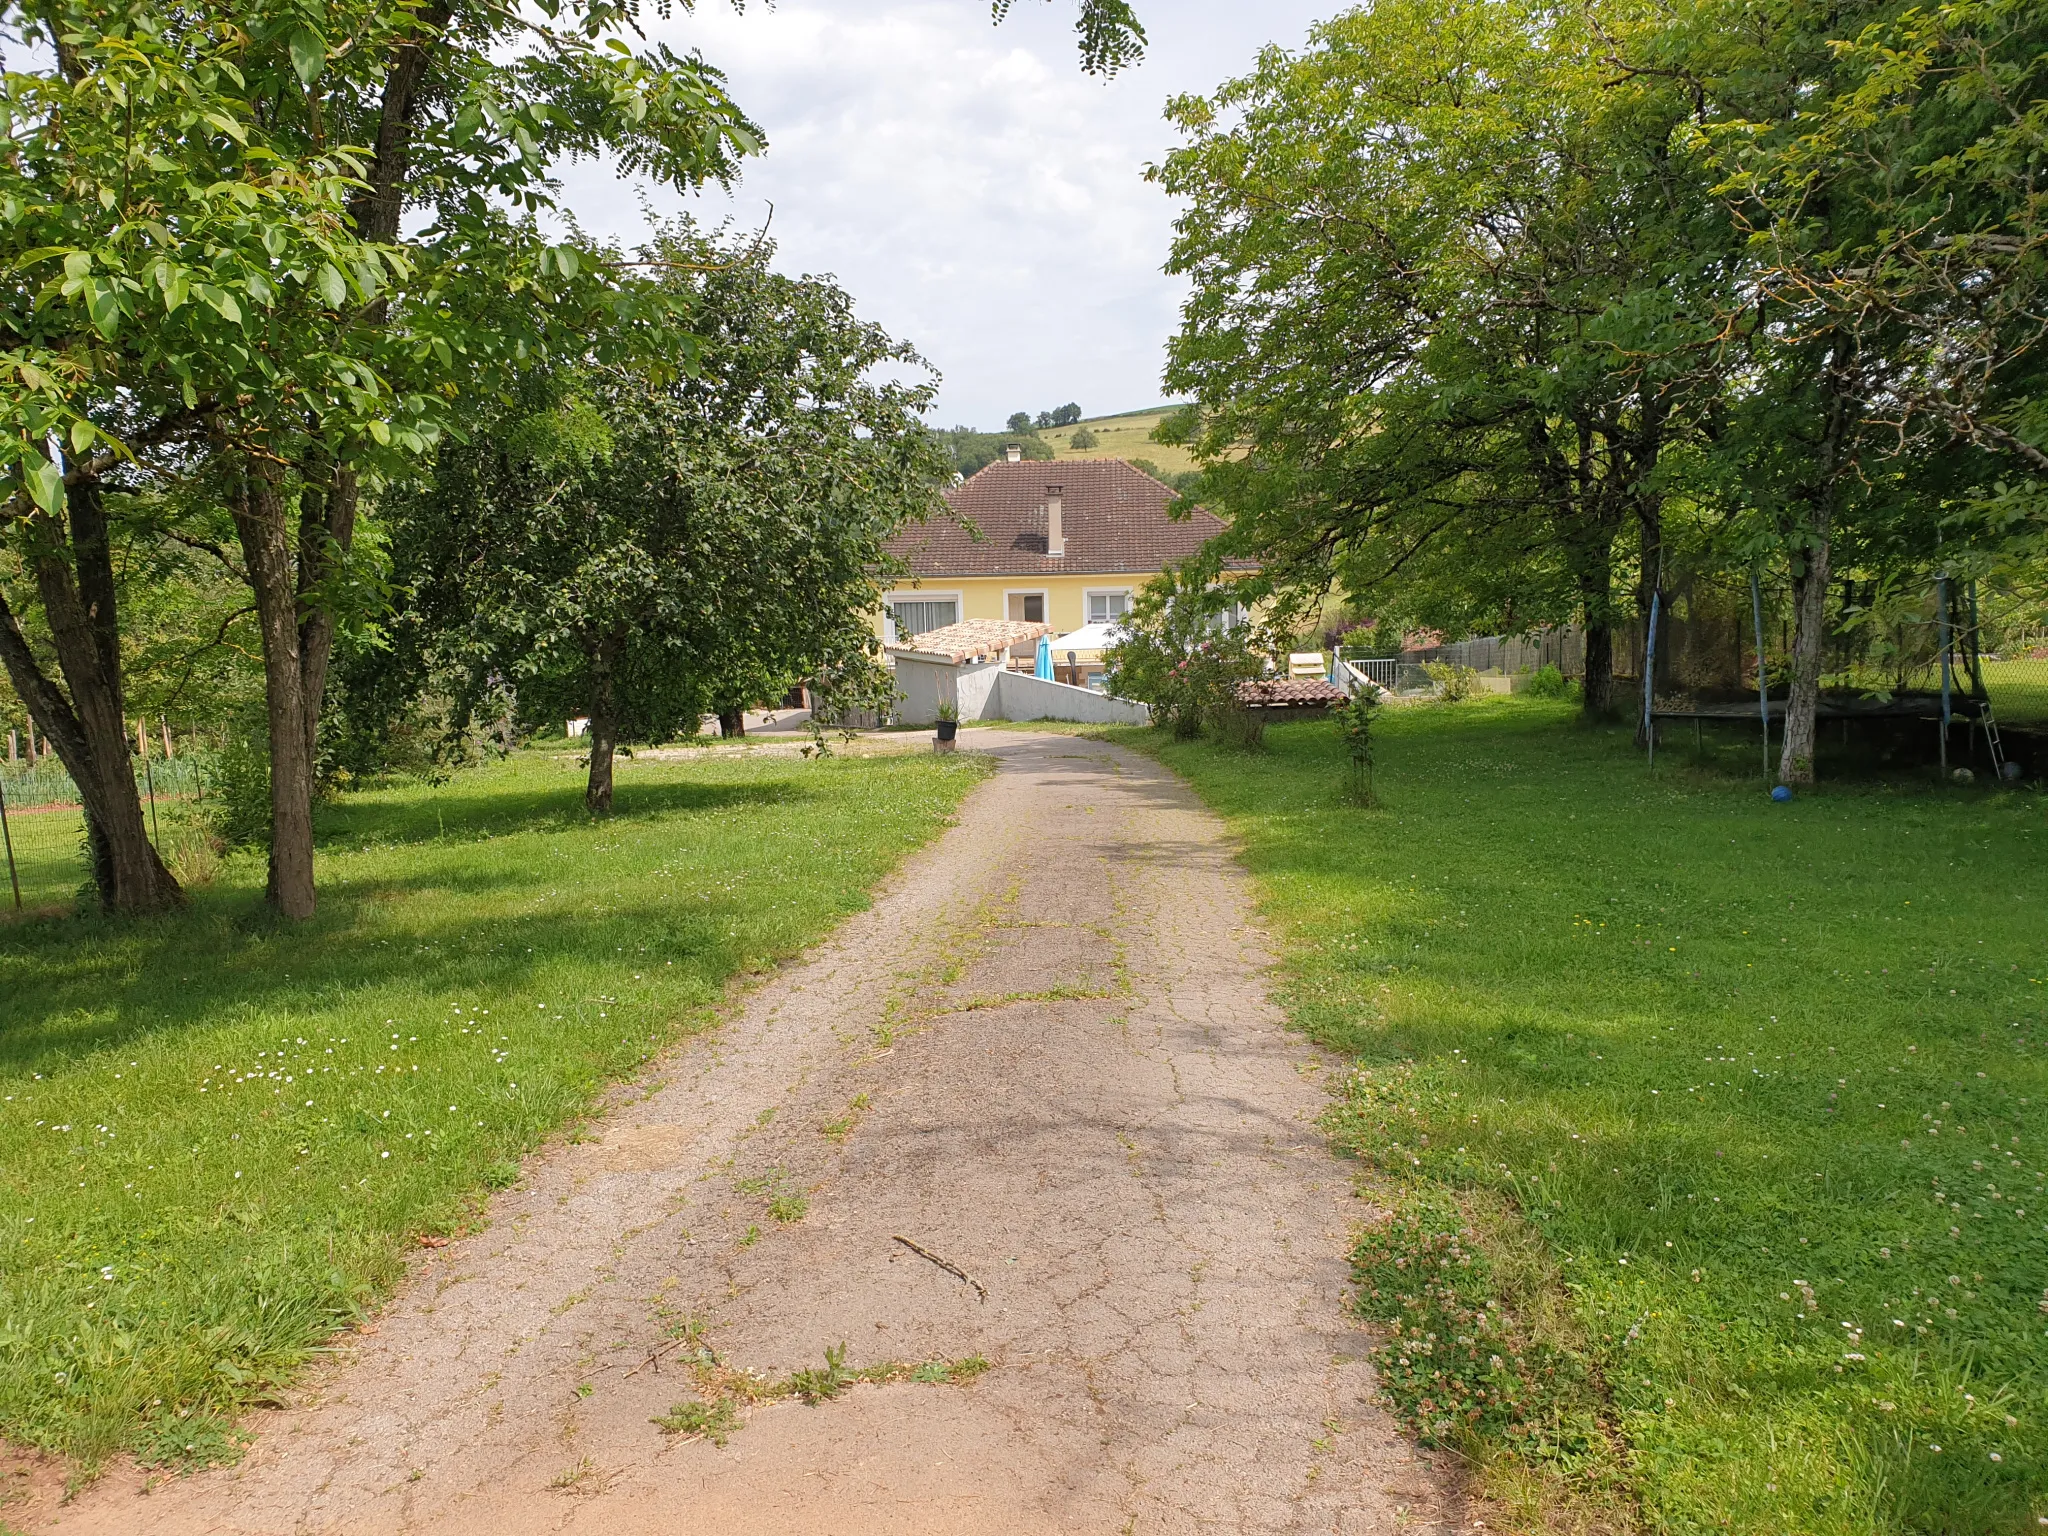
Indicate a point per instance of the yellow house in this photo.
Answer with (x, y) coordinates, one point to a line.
(1062, 542)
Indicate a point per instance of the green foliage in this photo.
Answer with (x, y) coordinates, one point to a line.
(1454, 683)
(137, 1061)
(715, 1421)
(1354, 723)
(1228, 720)
(1873, 154)
(1457, 420)
(238, 785)
(1081, 437)
(971, 450)
(1176, 657)
(1109, 32)
(1697, 1080)
(1547, 682)
(640, 549)
(1642, 293)
(1461, 1367)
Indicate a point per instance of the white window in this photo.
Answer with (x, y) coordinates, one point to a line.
(1107, 607)
(915, 615)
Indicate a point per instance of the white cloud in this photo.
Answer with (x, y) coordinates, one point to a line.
(976, 193)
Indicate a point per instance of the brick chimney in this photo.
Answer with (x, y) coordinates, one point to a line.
(1055, 528)
(1013, 453)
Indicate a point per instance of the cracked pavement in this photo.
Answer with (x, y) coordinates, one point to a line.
(1046, 1056)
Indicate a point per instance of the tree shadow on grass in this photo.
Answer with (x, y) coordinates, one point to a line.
(456, 912)
(503, 811)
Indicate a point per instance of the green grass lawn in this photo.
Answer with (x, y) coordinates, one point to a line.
(1733, 1111)
(219, 1136)
(2018, 689)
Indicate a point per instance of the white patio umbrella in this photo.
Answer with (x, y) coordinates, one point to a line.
(1089, 637)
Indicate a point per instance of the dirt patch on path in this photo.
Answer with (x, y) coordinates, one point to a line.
(1044, 1056)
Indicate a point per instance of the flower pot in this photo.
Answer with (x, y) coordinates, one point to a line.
(948, 729)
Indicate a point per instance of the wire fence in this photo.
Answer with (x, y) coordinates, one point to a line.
(48, 856)
(45, 857)
(1895, 647)
(46, 783)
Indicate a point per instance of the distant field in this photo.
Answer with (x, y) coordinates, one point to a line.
(1128, 436)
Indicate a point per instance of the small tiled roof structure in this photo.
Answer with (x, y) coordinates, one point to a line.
(1113, 517)
(1290, 693)
(971, 639)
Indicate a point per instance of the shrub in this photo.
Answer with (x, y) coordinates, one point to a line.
(238, 786)
(1174, 659)
(1354, 728)
(1453, 682)
(1546, 682)
(1082, 438)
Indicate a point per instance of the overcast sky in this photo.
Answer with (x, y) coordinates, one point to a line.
(976, 193)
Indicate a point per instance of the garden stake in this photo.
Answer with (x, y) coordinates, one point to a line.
(7, 836)
(1947, 675)
(1763, 688)
(1649, 683)
(156, 834)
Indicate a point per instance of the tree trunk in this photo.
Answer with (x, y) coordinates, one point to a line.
(732, 722)
(1597, 688)
(1809, 644)
(604, 726)
(1649, 581)
(266, 552)
(1810, 581)
(88, 729)
(1594, 558)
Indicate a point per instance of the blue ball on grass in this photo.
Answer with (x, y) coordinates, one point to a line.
(1781, 793)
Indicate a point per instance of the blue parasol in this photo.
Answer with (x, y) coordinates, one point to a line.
(1044, 665)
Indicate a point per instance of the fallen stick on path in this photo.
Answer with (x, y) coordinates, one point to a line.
(946, 1264)
(654, 1359)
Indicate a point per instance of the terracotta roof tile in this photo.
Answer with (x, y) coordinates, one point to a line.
(1276, 692)
(1113, 516)
(972, 637)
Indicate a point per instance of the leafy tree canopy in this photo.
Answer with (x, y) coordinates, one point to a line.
(639, 547)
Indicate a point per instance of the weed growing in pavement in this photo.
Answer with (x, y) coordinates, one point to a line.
(573, 1476)
(843, 1127)
(721, 1389)
(714, 1421)
(789, 1207)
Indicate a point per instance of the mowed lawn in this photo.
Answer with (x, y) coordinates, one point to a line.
(219, 1136)
(1755, 1090)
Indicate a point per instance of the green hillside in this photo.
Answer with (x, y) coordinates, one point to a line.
(1124, 436)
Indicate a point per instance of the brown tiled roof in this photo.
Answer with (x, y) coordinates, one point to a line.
(971, 638)
(1278, 692)
(1113, 516)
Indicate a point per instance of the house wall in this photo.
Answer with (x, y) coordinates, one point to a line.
(985, 597)
(985, 690)
(1024, 697)
(925, 685)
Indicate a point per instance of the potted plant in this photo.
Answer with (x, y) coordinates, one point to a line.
(949, 722)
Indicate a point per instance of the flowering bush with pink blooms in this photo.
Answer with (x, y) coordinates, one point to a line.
(1178, 657)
